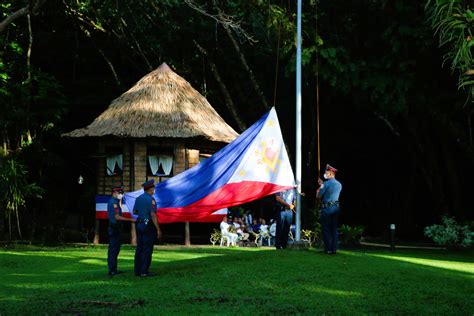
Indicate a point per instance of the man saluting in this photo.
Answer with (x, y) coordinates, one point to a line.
(329, 192)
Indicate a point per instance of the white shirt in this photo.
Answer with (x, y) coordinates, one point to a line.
(264, 228)
(273, 229)
(224, 227)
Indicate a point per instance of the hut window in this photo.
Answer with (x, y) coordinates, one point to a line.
(114, 164)
(160, 165)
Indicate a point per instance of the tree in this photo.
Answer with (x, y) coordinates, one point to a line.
(453, 22)
(15, 190)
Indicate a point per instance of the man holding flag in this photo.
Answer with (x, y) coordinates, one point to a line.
(284, 217)
(329, 192)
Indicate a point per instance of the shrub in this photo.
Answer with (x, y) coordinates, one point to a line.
(312, 237)
(215, 236)
(351, 235)
(450, 233)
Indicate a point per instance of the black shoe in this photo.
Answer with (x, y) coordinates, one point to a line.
(112, 273)
(147, 275)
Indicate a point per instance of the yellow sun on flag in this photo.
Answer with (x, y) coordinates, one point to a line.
(268, 155)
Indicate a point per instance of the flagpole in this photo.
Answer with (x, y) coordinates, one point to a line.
(298, 122)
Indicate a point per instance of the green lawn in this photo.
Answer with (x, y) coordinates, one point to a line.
(213, 280)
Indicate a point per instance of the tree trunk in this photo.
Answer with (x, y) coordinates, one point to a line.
(228, 100)
(32, 8)
(18, 224)
(244, 63)
(9, 225)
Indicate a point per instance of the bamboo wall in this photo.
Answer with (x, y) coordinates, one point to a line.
(184, 158)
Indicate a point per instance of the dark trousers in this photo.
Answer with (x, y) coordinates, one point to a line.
(329, 218)
(146, 235)
(114, 248)
(284, 219)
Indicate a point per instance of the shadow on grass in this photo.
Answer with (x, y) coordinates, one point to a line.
(236, 281)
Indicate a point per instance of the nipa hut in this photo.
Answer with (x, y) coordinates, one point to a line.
(157, 129)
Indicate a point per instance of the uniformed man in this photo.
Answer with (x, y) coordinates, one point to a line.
(147, 229)
(329, 192)
(284, 217)
(114, 212)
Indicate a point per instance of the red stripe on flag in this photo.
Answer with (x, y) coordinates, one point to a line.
(104, 215)
(228, 195)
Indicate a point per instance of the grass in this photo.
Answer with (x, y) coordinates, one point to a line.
(213, 280)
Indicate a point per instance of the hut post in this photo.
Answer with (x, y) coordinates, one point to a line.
(187, 234)
(191, 159)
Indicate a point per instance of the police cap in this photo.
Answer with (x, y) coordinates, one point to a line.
(148, 184)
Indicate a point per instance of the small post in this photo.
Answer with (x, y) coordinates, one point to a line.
(133, 234)
(392, 237)
(96, 232)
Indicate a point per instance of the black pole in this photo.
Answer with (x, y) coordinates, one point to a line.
(392, 237)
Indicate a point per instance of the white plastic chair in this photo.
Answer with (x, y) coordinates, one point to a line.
(222, 240)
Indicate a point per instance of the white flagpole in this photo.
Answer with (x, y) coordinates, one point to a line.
(298, 122)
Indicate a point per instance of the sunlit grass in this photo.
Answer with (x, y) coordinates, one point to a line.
(214, 280)
(441, 264)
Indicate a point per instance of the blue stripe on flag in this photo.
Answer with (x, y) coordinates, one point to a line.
(208, 176)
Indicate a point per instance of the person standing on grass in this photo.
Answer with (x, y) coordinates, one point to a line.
(284, 217)
(147, 229)
(114, 213)
(329, 192)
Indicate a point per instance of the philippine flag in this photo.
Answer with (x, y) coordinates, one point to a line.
(101, 202)
(253, 166)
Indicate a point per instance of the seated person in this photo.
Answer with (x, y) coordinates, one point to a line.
(239, 229)
(264, 234)
(225, 231)
(255, 226)
(263, 227)
(272, 230)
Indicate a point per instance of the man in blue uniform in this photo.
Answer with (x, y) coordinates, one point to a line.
(284, 217)
(329, 192)
(114, 212)
(147, 229)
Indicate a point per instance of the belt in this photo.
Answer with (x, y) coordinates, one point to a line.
(329, 204)
(115, 225)
(144, 221)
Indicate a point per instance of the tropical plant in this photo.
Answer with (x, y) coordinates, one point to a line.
(312, 237)
(14, 190)
(215, 237)
(453, 21)
(351, 235)
(450, 233)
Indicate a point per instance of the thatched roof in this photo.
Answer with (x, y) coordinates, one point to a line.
(161, 104)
